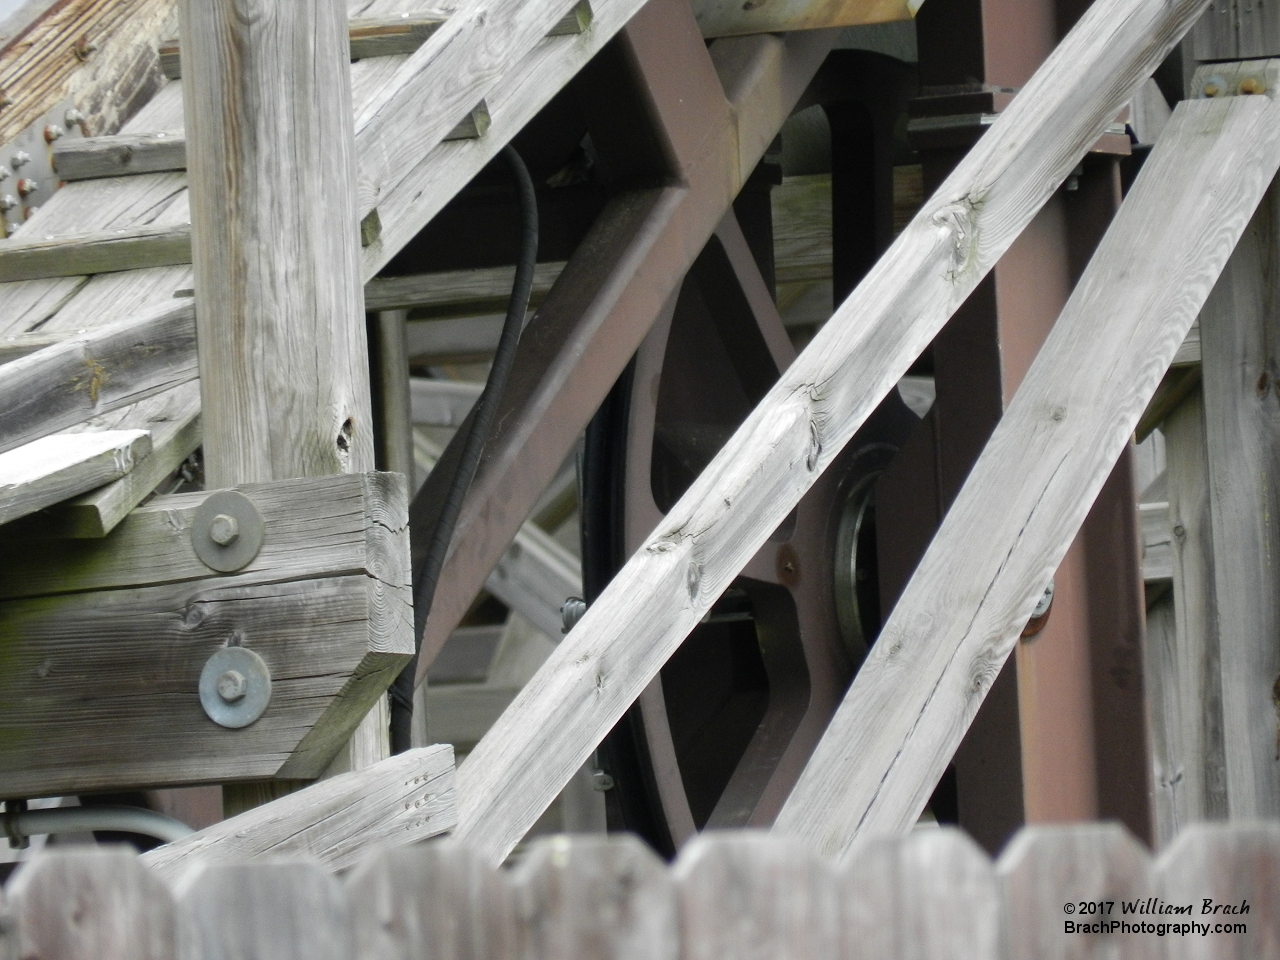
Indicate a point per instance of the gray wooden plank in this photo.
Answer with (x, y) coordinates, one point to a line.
(1026, 497)
(817, 404)
(52, 469)
(96, 372)
(1237, 30)
(431, 902)
(28, 257)
(920, 896)
(320, 526)
(1056, 878)
(267, 911)
(1211, 867)
(331, 822)
(1186, 696)
(17, 346)
(119, 155)
(595, 898)
(1238, 328)
(747, 894)
(92, 903)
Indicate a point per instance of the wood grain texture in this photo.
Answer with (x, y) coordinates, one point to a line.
(1238, 330)
(96, 372)
(333, 822)
(781, 449)
(39, 67)
(1031, 489)
(280, 315)
(276, 911)
(20, 345)
(1045, 868)
(747, 894)
(120, 155)
(585, 897)
(173, 419)
(1183, 660)
(1237, 30)
(1228, 865)
(461, 293)
(920, 896)
(52, 469)
(110, 635)
(28, 257)
(431, 902)
(91, 903)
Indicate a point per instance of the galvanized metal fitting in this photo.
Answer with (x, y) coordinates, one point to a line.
(52, 132)
(571, 611)
(235, 687)
(1040, 615)
(27, 186)
(227, 531)
(19, 159)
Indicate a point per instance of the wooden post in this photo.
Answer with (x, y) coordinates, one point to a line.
(1238, 348)
(275, 244)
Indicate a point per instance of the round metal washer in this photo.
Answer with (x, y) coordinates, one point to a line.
(244, 542)
(248, 706)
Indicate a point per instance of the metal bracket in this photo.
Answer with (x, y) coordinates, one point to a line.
(235, 687)
(227, 531)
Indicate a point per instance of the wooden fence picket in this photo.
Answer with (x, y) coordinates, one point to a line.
(920, 897)
(91, 903)
(264, 911)
(1057, 875)
(438, 901)
(751, 896)
(595, 898)
(1228, 865)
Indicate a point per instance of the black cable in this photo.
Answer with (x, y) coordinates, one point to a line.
(424, 589)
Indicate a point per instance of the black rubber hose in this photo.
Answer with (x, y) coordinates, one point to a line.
(424, 587)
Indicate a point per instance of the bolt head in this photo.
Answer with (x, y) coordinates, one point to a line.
(1251, 85)
(224, 530)
(20, 158)
(232, 686)
(52, 132)
(1212, 90)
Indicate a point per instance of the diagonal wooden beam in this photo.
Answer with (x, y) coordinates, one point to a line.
(612, 290)
(808, 416)
(1025, 499)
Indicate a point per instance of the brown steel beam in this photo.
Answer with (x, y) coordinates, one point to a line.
(1061, 736)
(715, 112)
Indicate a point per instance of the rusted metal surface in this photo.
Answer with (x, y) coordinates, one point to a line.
(714, 123)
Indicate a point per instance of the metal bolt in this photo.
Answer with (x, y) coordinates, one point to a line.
(8, 202)
(27, 186)
(601, 781)
(20, 158)
(4, 173)
(224, 530)
(1212, 90)
(232, 686)
(1251, 85)
(73, 117)
(571, 612)
(52, 132)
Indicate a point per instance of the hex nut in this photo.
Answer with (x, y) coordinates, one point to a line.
(223, 529)
(232, 686)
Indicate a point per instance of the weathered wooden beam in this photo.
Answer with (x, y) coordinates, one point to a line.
(111, 636)
(1238, 331)
(51, 469)
(280, 323)
(96, 372)
(403, 799)
(808, 416)
(536, 576)
(173, 420)
(455, 292)
(441, 403)
(1031, 489)
(19, 345)
(105, 251)
(128, 154)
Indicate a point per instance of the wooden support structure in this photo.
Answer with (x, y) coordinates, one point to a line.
(1030, 490)
(111, 635)
(55, 468)
(279, 300)
(727, 895)
(1242, 428)
(810, 413)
